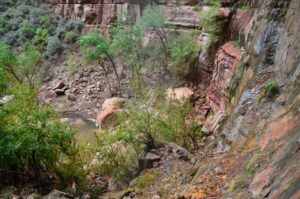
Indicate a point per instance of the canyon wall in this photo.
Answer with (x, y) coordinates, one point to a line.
(102, 13)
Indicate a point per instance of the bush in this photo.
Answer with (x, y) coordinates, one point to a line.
(22, 68)
(147, 121)
(2, 81)
(147, 179)
(74, 25)
(270, 89)
(70, 37)
(184, 51)
(4, 25)
(117, 155)
(41, 37)
(11, 37)
(27, 30)
(54, 46)
(31, 138)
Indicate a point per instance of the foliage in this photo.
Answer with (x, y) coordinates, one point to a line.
(4, 25)
(41, 37)
(44, 20)
(147, 179)
(33, 22)
(74, 25)
(72, 167)
(8, 60)
(155, 119)
(32, 139)
(127, 43)
(97, 49)
(184, 51)
(208, 21)
(2, 81)
(116, 154)
(53, 46)
(270, 89)
(29, 61)
(70, 37)
(153, 19)
(22, 68)
(27, 30)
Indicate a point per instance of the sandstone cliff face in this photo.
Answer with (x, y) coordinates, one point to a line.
(272, 46)
(102, 13)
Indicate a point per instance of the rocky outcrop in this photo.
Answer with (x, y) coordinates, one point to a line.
(102, 13)
(226, 62)
(110, 108)
(180, 95)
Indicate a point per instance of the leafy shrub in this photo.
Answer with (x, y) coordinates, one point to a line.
(41, 37)
(11, 37)
(184, 51)
(147, 121)
(31, 138)
(74, 25)
(116, 154)
(97, 49)
(22, 68)
(70, 37)
(27, 30)
(270, 89)
(147, 179)
(44, 20)
(2, 81)
(54, 46)
(4, 25)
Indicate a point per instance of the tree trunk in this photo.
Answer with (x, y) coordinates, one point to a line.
(115, 70)
(165, 50)
(107, 78)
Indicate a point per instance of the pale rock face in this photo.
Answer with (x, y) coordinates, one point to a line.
(114, 102)
(179, 94)
(102, 13)
(110, 108)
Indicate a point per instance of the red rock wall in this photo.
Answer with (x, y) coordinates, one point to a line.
(225, 64)
(102, 13)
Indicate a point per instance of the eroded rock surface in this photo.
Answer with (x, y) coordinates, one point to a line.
(102, 13)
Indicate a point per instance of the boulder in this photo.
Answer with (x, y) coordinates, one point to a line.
(107, 116)
(58, 85)
(148, 160)
(71, 97)
(114, 103)
(179, 94)
(6, 99)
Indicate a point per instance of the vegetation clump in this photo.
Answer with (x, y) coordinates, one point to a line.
(31, 137)
(270, 89)
(208, 19)
(97, 49)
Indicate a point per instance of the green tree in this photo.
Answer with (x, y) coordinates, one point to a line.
(153, 19)
(97, 49)
(2, 81)
(29, 61)
(31, 137)
(22, 68)
(8, 61)
(127, 43)
(184, 51)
